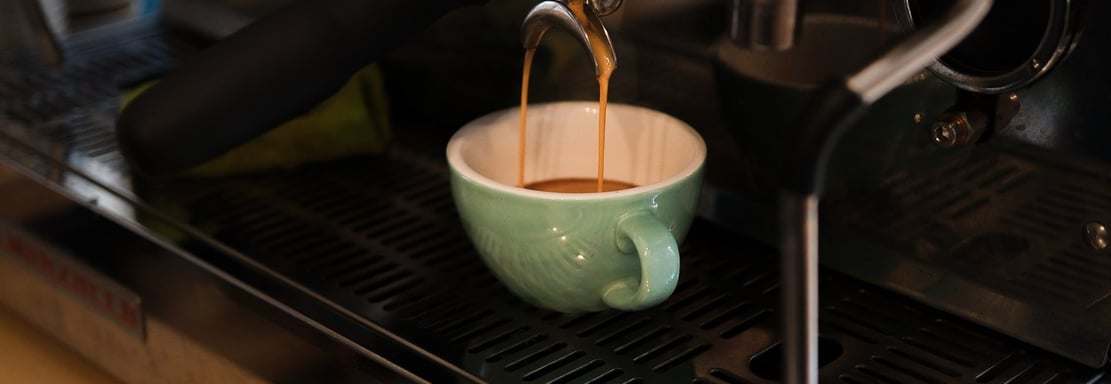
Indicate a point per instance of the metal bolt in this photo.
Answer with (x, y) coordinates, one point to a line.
(1097, 236)
(945, 134)
(954, 128)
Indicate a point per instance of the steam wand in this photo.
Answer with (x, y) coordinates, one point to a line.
(833, 109)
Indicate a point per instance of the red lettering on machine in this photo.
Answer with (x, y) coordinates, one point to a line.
(79, 281)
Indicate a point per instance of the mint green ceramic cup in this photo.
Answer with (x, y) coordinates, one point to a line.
(577, 252)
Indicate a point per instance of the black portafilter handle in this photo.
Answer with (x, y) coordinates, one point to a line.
(263, 75)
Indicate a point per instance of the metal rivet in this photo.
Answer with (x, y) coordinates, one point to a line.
(945, 134)
(1097, 235)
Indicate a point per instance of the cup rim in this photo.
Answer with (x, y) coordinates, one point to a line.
(457, 164)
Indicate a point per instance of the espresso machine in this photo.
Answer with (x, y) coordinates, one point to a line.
(901, 191)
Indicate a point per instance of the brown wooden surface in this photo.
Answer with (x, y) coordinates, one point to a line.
(30, 356)
(166, 356)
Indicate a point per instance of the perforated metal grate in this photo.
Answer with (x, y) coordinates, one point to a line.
(388, 242)
(379, 235)
(1003, 220)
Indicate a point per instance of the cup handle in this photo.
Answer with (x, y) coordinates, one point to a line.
(659, 264)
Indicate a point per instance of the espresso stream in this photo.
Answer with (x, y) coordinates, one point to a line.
(604, 70)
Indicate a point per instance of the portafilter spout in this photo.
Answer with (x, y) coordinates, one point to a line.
(588, 30)
(819, 127)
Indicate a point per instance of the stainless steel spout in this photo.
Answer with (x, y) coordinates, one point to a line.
(765, 24)
(604, 7)
(589, 32)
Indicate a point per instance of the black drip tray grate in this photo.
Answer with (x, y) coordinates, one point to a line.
(1011, 229)
(1001, 219)
(379, 236)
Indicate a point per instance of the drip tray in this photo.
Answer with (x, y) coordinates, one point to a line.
(993, 234)
(379, 236)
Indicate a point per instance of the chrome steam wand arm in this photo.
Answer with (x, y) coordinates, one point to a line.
(819, 127)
